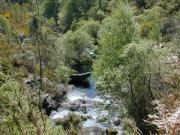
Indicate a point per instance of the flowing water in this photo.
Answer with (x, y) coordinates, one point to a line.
(97, 110)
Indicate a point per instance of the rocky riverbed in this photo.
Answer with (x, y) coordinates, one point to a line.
(95, 112)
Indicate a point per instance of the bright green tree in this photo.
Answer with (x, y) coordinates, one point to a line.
(116, 31)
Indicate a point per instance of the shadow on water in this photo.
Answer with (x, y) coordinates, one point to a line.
(80, 80)
(80, 83)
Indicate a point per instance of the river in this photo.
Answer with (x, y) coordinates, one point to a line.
(89, 103)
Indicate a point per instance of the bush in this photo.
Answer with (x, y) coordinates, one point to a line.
(52, 9)
(25, 58)
(71, 46)
(5, 66)
(3, 78)
(62, 74)
(150, 24)
(4, 25)
(91, 27)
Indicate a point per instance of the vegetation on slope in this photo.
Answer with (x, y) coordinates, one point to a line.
(135, 47)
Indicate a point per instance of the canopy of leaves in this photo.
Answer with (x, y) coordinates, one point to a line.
(116, 31)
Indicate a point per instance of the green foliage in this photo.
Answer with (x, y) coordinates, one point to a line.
(73, 124)
(134, 71)
(62, 74)
(150, 26)
(20, 113)
(72, 11)
(130, 127)
(3, 78)
(52, 9)
(8, 90)
(91, 27)
(72, 44)
(116, 31)
(5, 66)
(133, 79)
(4, 25)
(102, 8)
(34, 25)
(53, 130)
(24, 57)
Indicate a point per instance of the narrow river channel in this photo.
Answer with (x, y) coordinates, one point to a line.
(93, 106)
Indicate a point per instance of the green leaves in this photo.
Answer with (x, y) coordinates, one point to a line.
(34, 25)
(72, 45)
(72, 11)
(4, 25)
(150, 24)
(116, 31)
(52, 9)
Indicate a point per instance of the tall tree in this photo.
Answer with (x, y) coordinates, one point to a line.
(116, 31)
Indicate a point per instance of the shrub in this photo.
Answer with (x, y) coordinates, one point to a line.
(150, 24)
(3, 78)
(91, 27)
(4, 25)
(52, 9)
(71, 46)
(62, 74)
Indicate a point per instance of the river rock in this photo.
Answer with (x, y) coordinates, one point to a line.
(116, 121)
(49, 104)
(85, 117)
(109, 102)
(83, 109)
(83, 101)
(27, 81)
(74, 107)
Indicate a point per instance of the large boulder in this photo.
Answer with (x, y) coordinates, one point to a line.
(116, 121)
(49, 104)
(52, 94)
(56, 91)
(60, 92)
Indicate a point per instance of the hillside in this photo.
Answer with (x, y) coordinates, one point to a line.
(112, 65)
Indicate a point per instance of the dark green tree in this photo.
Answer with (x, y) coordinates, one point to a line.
(73, 10)
(52, 9)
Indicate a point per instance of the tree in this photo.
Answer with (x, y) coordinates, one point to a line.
(116, 31)
(133, 79)
(73, 10)
(132, 64)
(150, 24)
(72, 45)
(52, 9)
(35, 31)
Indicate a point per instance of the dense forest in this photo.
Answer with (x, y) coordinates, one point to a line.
(89, 67)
